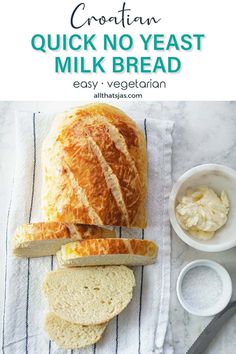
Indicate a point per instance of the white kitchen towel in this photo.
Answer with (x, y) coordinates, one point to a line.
(139, 329)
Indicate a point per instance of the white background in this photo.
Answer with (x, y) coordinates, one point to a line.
(206, 75)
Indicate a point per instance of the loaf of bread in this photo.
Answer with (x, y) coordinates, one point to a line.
(89, 295)
(95, 168)
(107, 252)
(69, 335)
(45, 239)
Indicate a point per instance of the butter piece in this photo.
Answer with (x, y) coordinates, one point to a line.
(201, 212)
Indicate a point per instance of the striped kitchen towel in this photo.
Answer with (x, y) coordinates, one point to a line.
(143, 328)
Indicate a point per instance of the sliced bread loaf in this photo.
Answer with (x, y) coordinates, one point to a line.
(69, 335)
(89, 295)
(109, 251)
(46, 238)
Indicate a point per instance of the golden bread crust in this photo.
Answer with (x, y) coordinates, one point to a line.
(110, 246)
(54, 230)
(95, 168)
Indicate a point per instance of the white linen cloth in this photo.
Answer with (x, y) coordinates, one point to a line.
(142, 327)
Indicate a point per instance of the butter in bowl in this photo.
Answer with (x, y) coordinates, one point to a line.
(202, 207)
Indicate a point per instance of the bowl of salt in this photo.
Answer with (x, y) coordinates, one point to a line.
(204, 287)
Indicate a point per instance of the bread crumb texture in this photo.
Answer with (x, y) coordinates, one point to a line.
(89, 295)
(69, 335)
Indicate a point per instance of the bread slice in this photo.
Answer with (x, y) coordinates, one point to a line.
(46, 238)
(89, 295)
(69, 335)
(107, 251)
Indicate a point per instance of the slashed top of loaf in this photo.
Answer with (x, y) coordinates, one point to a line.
(95, 168)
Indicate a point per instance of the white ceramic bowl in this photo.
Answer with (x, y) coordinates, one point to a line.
(226, 288)
(217, 177)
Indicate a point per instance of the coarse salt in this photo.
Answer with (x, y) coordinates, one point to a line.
(201, 287)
